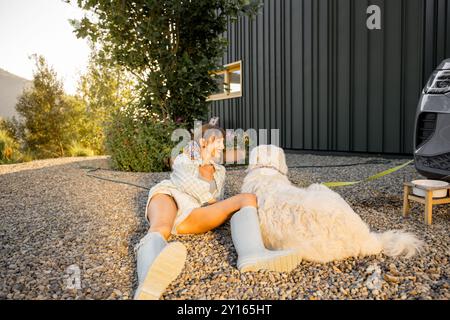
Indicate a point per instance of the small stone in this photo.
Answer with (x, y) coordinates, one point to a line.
(390, 278)
(393, 270)
(345, 292)
(412, 278)
(337, 269)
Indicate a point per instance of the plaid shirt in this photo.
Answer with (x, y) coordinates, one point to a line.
(185, 176)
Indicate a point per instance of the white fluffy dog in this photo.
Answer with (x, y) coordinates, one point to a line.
(315, 220)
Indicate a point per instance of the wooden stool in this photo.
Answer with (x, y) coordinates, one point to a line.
(428, 201)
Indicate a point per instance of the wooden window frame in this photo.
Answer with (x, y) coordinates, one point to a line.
(230, 67)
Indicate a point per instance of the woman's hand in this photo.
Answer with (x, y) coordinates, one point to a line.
(207, 171)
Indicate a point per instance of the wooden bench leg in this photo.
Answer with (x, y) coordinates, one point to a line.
(406, 207)
(428, 207)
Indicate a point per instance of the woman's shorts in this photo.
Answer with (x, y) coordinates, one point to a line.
(185, 202)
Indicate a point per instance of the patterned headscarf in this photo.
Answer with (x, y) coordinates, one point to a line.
(193, 151)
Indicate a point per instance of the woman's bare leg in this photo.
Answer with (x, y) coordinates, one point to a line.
(207, 218)
(158, 263)
(162, 211)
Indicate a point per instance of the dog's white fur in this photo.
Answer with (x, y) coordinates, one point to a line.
(315, 220)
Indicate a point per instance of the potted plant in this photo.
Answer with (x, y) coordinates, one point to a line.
(236, 148)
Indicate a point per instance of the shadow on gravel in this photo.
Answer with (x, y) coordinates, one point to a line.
(386, 200)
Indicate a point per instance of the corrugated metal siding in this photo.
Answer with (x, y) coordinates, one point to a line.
(312, 69)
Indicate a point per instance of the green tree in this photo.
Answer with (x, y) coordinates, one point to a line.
(171, 46)
(104, 89)
(50, 118)
(11, 127)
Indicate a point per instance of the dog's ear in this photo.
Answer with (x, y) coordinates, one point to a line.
(276, 158)
(253, 158)
(282, 161)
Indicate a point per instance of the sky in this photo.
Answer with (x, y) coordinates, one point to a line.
(42, 27)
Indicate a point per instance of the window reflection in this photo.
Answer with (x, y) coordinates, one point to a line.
(229, 82)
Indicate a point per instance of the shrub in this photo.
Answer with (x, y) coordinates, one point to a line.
(137, 141)
(9, 148)
(12, 127)
(78, 150)
(26, 157)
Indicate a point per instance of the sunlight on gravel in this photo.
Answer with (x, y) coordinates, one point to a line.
(55, 219)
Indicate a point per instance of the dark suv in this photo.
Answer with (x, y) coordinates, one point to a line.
(432, 131)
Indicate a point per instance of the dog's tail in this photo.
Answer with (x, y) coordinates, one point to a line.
(396, 243)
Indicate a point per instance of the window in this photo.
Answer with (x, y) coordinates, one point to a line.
(229, 82)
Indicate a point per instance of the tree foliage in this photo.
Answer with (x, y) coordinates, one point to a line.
(104, 89)
(50, 120)
(171, 46)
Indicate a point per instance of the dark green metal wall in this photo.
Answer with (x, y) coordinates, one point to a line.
(312, 69)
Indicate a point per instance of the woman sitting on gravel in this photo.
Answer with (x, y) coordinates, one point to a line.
(190, 202)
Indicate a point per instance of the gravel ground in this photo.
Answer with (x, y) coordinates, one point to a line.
(57, 223)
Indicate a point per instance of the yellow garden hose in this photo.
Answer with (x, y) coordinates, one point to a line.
(375, 176)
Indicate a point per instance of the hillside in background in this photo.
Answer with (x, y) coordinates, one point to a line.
(11, 86)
